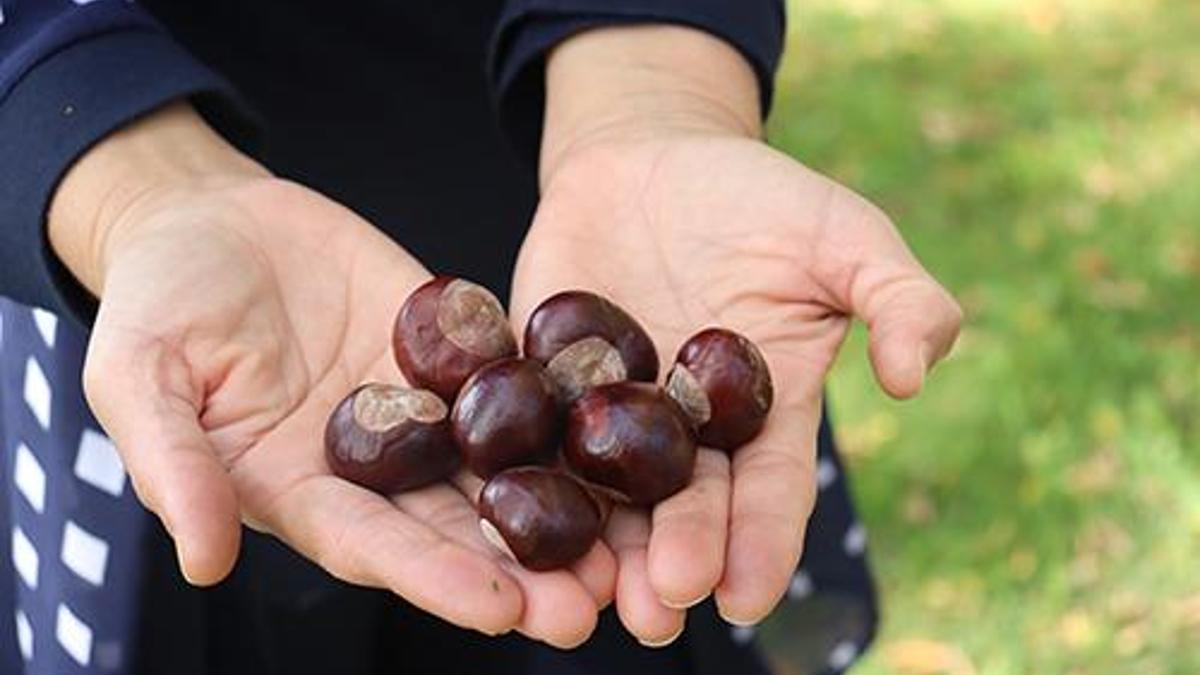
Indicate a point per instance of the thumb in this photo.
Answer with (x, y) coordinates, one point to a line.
(869, 272)
(911, 320)
(142, 396)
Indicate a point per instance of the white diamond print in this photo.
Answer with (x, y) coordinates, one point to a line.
(30, 478)
(826, 473)
(84, 553)
(37, 392)
(47, 325)
(25, 558)
(843, 655)
(741, 634)
(98, 463)
(74, 635)
(855, 541)
(24, 635)
(801, 586)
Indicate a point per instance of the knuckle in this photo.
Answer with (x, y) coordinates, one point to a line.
(772, 463)
(864, 212)
(690, 517)
(876, 216)
(449, 515)
(337, 556)
(957, 315)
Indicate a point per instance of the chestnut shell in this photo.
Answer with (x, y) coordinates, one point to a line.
(390, 439)
(565, 318)
(447, 329)
(631, 439)
(545, 518)
(722, 381)
(507, 415)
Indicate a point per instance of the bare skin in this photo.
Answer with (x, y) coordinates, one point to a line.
(237, 309)
(651, 155)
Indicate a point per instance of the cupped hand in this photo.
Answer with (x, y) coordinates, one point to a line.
(687, 229)
(234, 316)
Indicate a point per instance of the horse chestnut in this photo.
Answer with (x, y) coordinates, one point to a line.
(585, 340)
(507, 414)
(540, 517)
(390, 439)
(721, 380)
(631, 439)
(446, 330)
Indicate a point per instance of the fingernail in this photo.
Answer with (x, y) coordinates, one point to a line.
(741, 623)
(683, 605)
(925, 361)
(656, 644)
(181, 560)
(744, 623)
(928, 355)
(496, 632)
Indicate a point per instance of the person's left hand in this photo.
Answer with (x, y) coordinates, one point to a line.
(685, 228)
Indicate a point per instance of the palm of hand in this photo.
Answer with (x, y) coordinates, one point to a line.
(218, 354)
(691, 232)
(683, 240)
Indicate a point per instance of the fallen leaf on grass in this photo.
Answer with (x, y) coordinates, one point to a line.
(1098, 473)
(1077, 630)
(919, 656)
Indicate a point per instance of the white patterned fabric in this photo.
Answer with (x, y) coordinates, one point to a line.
(70, 601)
(71, 575)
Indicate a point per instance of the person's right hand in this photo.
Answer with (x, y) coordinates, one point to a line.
(236, 310)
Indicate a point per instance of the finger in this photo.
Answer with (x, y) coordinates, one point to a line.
(645, 616)
(912, 321)
(557, 608)
(870, 272)
(596, 570)
(142, 399)
(364, 539)
(687, 541)
(773, 493)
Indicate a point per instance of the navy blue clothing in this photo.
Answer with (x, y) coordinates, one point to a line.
(73, 526)
(416, 115)
(71, 72)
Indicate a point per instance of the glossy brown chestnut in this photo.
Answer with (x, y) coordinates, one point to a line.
(632, 440)
(541, 517)
(721, 380)
(585, 340)
(390, 439)
(507, 415)
(446, 330)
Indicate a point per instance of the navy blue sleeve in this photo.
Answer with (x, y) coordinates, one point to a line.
(527, 29)
(70, 74)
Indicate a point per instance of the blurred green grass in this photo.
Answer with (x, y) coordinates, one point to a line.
(1037, 510)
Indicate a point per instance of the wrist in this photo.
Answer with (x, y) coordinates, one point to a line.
(644, 82)
(169, 151)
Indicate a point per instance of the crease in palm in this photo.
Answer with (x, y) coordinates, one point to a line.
(270, 326)
(672, 233)
(265, 339)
